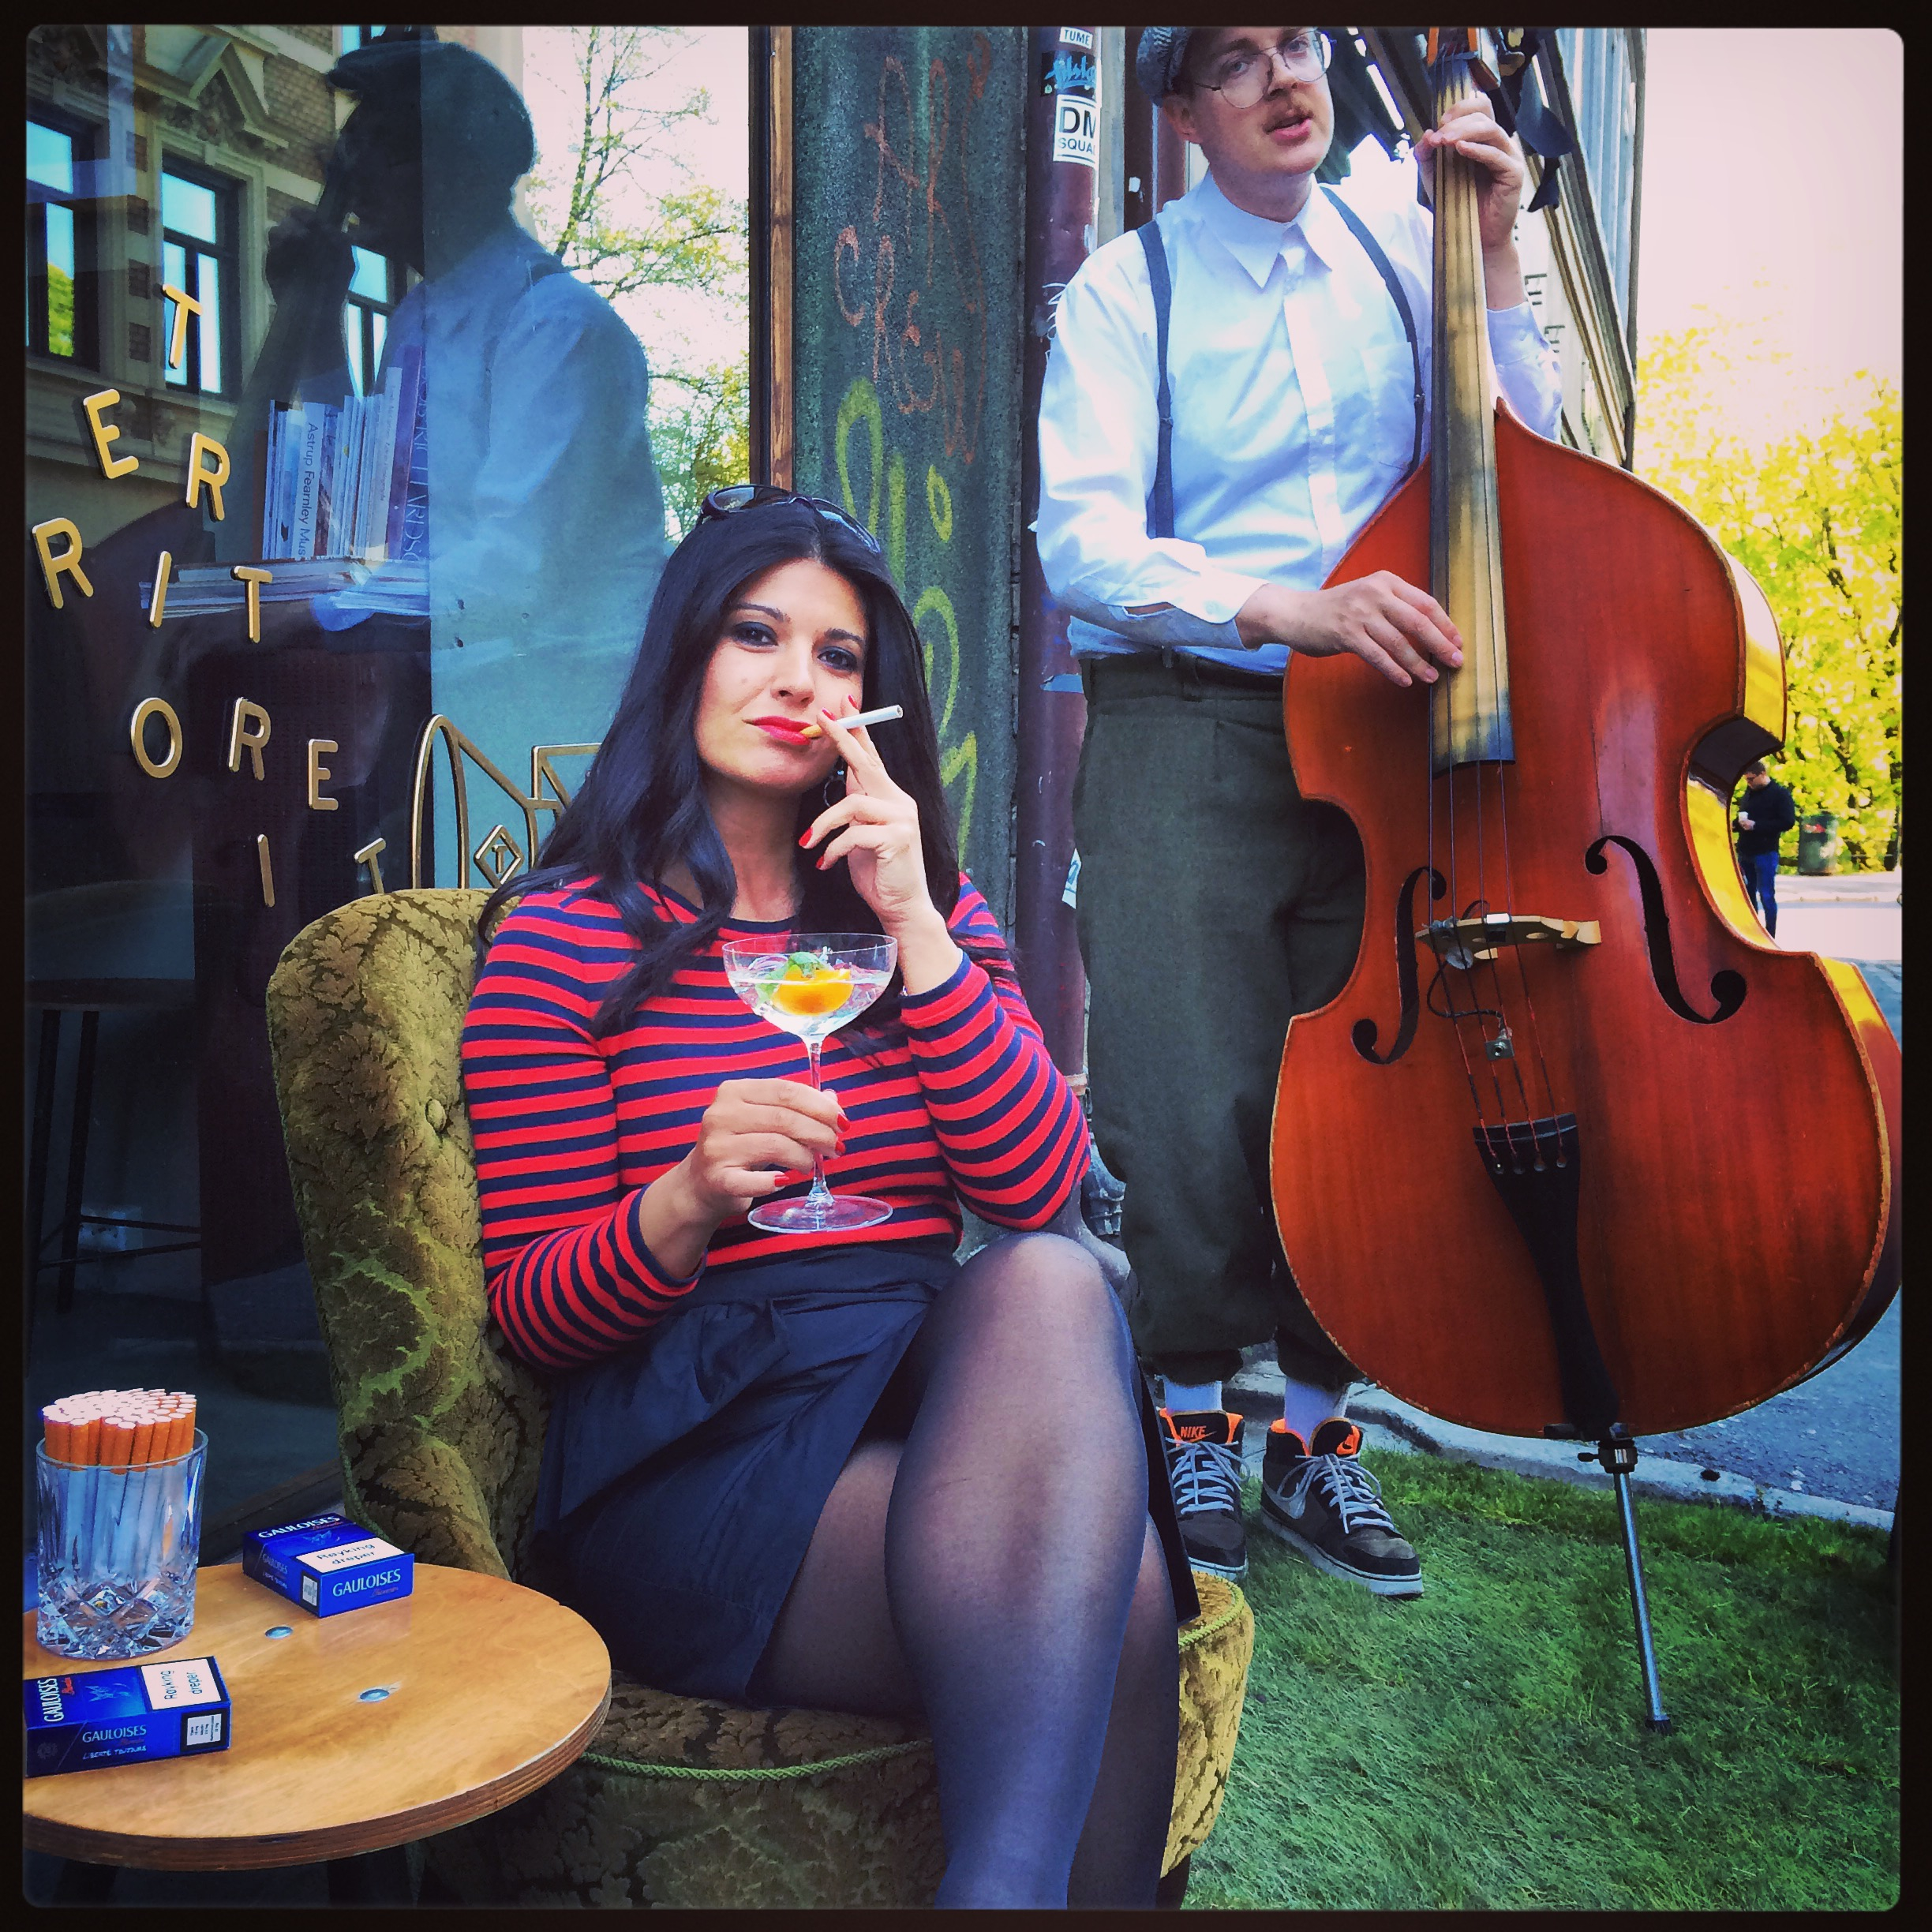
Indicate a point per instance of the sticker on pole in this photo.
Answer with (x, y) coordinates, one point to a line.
(1076, 131)
(1072, 79)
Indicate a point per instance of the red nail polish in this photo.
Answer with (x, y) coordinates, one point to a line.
(807, 839)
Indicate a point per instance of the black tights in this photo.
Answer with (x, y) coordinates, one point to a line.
(994, 1572)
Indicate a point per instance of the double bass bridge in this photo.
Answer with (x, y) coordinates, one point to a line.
(1464, 943)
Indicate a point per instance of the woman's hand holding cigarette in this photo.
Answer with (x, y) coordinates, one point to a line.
(875, 829)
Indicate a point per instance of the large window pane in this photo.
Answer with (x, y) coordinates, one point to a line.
(522, 514)
(50, 158)
(188, 208)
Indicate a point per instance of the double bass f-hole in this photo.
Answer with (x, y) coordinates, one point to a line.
(1364, 1032)
(1454, 938)
(1727, 987)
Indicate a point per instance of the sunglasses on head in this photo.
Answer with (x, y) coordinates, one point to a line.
(736, 497)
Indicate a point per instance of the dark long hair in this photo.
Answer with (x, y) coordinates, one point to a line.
(641, 810)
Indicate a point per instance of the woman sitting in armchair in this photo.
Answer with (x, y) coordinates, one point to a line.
(833, 1469)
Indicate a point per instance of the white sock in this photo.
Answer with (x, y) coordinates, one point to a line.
(1190, 1398)
(1306, 1407)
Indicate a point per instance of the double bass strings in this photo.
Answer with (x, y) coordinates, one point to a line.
(1469, 542)
(1522, 968)
(1438, 694)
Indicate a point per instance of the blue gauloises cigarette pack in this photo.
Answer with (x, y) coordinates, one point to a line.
(326, 1564)
(175, 1709)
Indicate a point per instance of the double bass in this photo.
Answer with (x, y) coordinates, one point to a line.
(1576, 1150)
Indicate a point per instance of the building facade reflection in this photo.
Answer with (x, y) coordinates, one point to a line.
(244, 243)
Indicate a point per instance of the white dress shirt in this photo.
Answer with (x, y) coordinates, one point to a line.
(1293, 412)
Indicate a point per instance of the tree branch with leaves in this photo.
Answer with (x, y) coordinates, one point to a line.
(1815, 515)
(627, 217)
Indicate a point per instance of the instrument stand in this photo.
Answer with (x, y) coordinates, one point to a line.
(1617, 1453)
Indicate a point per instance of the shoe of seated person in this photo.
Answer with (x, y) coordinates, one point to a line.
(1318, 1499)
(1203, 1449)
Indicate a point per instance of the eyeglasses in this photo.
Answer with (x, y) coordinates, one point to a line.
(1242, 76)
(736, 497)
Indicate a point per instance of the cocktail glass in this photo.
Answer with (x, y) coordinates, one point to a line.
(810, 984)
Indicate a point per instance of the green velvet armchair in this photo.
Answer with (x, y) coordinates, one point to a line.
(677, 1802)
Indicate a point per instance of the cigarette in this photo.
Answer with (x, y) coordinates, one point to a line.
(123, 1428)
(884, 715)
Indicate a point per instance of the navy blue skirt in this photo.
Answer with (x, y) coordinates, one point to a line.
(683, 1479)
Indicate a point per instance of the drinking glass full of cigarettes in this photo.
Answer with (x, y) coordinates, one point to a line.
(119, 1483)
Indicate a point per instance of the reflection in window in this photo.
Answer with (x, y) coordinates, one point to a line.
(197, 257)
(354, 37)
(1598, 69)
(54, 158)
(373, 291)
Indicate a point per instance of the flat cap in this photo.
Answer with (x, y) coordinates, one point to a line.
(1158, 63)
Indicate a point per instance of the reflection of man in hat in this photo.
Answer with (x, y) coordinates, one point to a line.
(533, 499)
(1214, 902)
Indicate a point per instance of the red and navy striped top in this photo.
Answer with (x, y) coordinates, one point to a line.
(965, 1104)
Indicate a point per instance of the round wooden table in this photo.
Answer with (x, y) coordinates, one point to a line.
(489, 1691)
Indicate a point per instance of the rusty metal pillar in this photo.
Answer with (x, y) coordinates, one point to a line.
(1155, 156)
(1063, 160)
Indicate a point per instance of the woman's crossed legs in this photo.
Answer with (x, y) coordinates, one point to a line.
(994, 1571)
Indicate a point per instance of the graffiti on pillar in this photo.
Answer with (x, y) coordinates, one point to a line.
(908, 215)
(934, 618)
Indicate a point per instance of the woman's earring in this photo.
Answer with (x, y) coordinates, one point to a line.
(837, 778)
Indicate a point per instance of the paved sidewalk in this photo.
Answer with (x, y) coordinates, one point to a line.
(1841, 888)
(1388, 1423)
(1857, 916)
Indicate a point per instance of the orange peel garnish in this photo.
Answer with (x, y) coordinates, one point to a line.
(824, 993)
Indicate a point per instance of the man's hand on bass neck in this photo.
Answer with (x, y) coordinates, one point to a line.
(1473, 133)
(1392, 626)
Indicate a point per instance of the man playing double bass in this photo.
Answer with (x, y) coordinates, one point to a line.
(1214, 902)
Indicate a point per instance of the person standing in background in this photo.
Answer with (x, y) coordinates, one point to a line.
(1764, 814)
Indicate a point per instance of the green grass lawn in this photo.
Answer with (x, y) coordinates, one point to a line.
(1483, 1746)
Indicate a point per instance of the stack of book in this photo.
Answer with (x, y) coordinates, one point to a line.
(334, 479)
(202, 589)
(335, 483)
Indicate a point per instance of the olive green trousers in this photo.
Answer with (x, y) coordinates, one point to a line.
(1213, 902)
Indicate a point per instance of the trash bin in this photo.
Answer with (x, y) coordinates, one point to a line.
(1819, 846)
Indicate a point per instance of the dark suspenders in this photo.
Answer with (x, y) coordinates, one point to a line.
(1359, 229)
(1160, 499)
